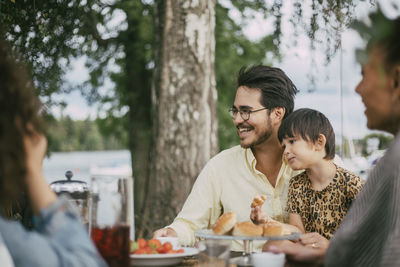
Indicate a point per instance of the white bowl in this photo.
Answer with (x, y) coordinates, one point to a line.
(268, 259)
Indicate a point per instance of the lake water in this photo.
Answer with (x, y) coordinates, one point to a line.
(81, 162)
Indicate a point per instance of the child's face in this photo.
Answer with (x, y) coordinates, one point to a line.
(299, 153)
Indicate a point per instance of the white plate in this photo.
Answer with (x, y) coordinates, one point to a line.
(162, 259)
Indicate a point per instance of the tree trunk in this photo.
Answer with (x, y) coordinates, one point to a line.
(184, 98)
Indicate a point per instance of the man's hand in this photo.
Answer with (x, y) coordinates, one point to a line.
(258, 216)
(165, 232)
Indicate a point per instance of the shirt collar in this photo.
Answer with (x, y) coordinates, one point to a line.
(250, 159)
(251, 162)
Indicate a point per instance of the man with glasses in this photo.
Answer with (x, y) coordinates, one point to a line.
(231, 179)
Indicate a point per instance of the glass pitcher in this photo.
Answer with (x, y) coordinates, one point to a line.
(111, 216)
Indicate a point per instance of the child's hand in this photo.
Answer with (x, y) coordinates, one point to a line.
(258, 216)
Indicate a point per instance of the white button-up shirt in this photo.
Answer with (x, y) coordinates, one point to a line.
(228, 183)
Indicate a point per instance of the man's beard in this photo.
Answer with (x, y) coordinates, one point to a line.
(265, 135)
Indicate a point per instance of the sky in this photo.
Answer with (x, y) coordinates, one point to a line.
(297, 64)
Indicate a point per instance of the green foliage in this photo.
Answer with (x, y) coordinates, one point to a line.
(71, 29)
(378, 29)
(43, 33)
(233, 51)
(66, 134)
(321, 21)
(49, 33)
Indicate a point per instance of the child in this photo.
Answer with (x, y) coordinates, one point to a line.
(319, 197)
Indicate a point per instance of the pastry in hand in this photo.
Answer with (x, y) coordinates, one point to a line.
(258, 201)
(224, 224)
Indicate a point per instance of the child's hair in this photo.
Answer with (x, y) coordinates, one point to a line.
(308, 124)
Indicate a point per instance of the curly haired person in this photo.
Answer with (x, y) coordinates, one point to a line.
(57, 238)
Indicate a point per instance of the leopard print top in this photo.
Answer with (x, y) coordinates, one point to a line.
(323, 211)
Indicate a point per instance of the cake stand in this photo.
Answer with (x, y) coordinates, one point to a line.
(245, 259)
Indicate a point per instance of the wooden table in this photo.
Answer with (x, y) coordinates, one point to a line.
(189, 261)
(193, 261)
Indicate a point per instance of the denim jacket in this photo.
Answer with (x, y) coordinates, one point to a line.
(58, 239)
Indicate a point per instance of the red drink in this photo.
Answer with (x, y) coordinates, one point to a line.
(113, 244)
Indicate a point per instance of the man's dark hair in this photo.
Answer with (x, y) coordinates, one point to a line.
(389, 43)
(383, 33)
(309, 123)
(276, 88)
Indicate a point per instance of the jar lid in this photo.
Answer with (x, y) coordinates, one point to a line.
(75, 188)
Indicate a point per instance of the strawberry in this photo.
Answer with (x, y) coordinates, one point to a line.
(161, 250)
(154, 243)
(167, 246)
(142, 243)
(140, 251)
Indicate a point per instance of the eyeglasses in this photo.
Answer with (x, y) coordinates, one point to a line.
(245, 114)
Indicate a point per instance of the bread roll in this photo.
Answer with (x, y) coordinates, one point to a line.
(258, 200)
(224, 224)
(247, 229)
(275, 228)
(272, 229)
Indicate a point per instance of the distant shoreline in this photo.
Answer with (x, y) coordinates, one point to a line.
(80, 162)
